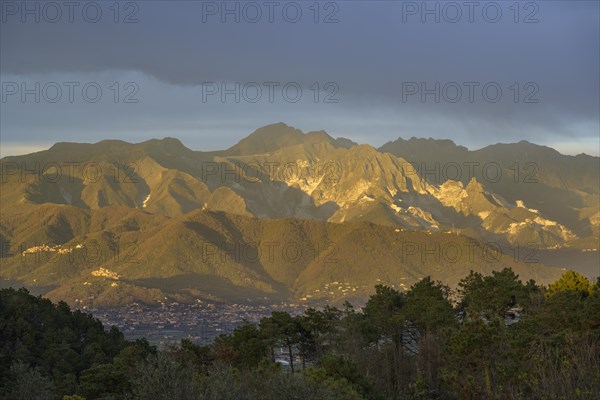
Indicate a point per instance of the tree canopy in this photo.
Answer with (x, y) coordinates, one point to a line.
(427, 342)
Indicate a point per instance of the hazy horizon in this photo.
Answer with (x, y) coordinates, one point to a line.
(23, 149)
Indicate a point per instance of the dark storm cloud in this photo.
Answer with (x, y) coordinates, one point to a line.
(371, 54)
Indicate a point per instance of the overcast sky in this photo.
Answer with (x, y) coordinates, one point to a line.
(477, 73)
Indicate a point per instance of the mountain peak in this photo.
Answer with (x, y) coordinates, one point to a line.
(266, 139)
(68, 149)
(279, 135)
(343, 142)
(166, 141)
(522, 148)
(165, 145)
(441, 148)
(321, 136)
(169, 139)
(474, 186)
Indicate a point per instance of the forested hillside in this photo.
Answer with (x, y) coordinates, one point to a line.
(495, 338)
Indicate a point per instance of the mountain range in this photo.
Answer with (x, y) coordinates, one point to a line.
(285, 216)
